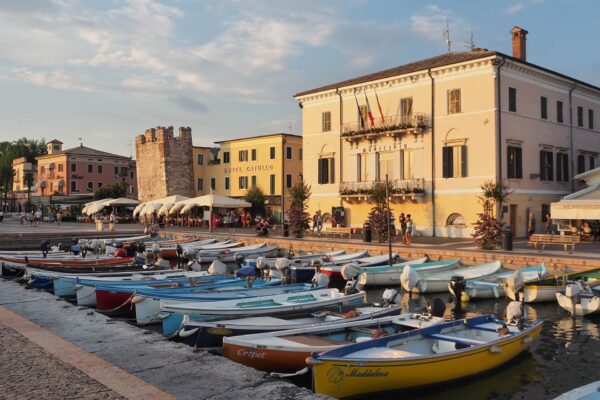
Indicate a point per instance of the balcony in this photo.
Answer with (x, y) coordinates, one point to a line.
(402, 189)
(394, 126)
(216, 161)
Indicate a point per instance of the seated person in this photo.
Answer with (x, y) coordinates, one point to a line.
(262, 228)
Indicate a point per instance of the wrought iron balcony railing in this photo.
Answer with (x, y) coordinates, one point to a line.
(415, 122)
(398, 187)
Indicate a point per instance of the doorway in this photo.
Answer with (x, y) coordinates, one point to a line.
(513, 219)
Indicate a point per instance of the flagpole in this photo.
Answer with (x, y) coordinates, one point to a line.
(387, 199)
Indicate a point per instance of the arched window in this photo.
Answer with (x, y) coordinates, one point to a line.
(455, 219)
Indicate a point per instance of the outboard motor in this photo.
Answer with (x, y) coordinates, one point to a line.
(350, 273)
(409, 278)
(437, 307)
(282, 265)
(390, 297)
(514, 283)
(320, 280)
(457, 287)
(217, 268)
(516, 313)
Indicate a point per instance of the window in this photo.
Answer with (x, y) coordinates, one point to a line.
(253, 180)
(512, 99)
(580, 163)
(51, 187)
(124, 171)
(288, 181)
(200, 159)
(591, 119)
(90, 168)
(592, 162)
(60, 168)
(243, 155)
(515, 162)
(227, 183)
(406, 163)
(226, 157)
(454, 101)
(455, 219)
(42, 170)
(243, 182)
(99, 169)
(406, 110)
(559, 112)
(546, 166)
(200, 184)
(130, 174)
(326, 170)
(272, 153)
(272, 184)
(253, 154)
(73, 186)
(361, 167)
(562, 167)
(580, 117)
(116, 170)
(454, 162)
(545, 212)
(300, 156)
(73, 167)
(544, 107)
(90, 187)
(99, 185)
(326, 121)
(213, 183)
(288, 153)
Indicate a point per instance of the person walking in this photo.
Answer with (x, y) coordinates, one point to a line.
(548, 224)
(409, 229)
(45, 247)
(531, 224)
(315, 223)
(319, 222)
(59, 217)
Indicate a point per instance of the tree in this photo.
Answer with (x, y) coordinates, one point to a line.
(380, 214)
(256, 197)
(28, 181)
(110, 191)
(488, 230)
(299, 218)
(493, 193)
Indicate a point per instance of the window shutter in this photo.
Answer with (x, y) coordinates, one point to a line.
(358, 168)
(550, 162)
(565, 167)
(325, 167)
(447, 162)
(542, 166)
(402, 171)
(463, 161)
(332, 170)
(518, 163)
(320, 173)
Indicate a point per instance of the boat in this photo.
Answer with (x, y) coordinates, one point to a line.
(492, 287)
(544, 290)
(286, 351)
(420, 358)
(301, 260)
(390, 275)
(237, 254)
(334, 272)
(305, 272)
(169, 250)
(590, 391)
(580, 299)
(207, 333)
(172, 314)
(435, 282)
(147, 301)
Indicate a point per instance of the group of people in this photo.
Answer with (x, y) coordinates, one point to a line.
(262, 227)
(317, 220)
(406, 228)
(34, 218)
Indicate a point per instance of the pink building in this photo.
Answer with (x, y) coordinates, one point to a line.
(82, 170)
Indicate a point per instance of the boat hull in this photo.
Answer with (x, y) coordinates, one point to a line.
(349, 378)
(266, 359)
(585, 305)
(536, 294)
(114, 303)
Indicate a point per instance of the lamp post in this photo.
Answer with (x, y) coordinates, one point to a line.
(389, 222)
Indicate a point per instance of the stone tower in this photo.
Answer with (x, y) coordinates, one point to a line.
(164, 163)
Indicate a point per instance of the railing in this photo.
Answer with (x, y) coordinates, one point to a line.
(399, 187)
(394, 123)
(214, 162)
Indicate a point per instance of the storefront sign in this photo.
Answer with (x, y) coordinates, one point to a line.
(249, 168)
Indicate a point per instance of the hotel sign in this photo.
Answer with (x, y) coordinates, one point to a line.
(249, 168)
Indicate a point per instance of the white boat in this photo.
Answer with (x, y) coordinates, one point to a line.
(588, 392)
(237, 253)
(266, 304)
(579, 299)
(492, 287)
(390, 275)
(437, 282)
(287, 350)
(544, 290)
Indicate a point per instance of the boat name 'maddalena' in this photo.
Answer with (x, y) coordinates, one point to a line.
(337, 374)
(250, 354)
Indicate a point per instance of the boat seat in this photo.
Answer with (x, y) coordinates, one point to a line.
(313, 340)
(456, 339)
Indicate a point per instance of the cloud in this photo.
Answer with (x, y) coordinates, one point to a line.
(189, 104)
(515, 8)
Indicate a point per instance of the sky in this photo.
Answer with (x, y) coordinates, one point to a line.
(105, 71)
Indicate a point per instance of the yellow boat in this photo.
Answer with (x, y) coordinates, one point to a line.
(420, 358)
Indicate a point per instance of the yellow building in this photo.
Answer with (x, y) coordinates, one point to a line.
(443, 126)
(273, 162)
(21, 167)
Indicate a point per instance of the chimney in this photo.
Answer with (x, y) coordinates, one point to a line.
(519, 36)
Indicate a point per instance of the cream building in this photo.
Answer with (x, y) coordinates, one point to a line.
(272, 162)
(443, 126)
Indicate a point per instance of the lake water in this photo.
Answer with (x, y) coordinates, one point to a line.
(567, 355)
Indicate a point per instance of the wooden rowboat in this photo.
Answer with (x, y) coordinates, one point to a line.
(544, 290)
(425, 357)
(386, 275)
